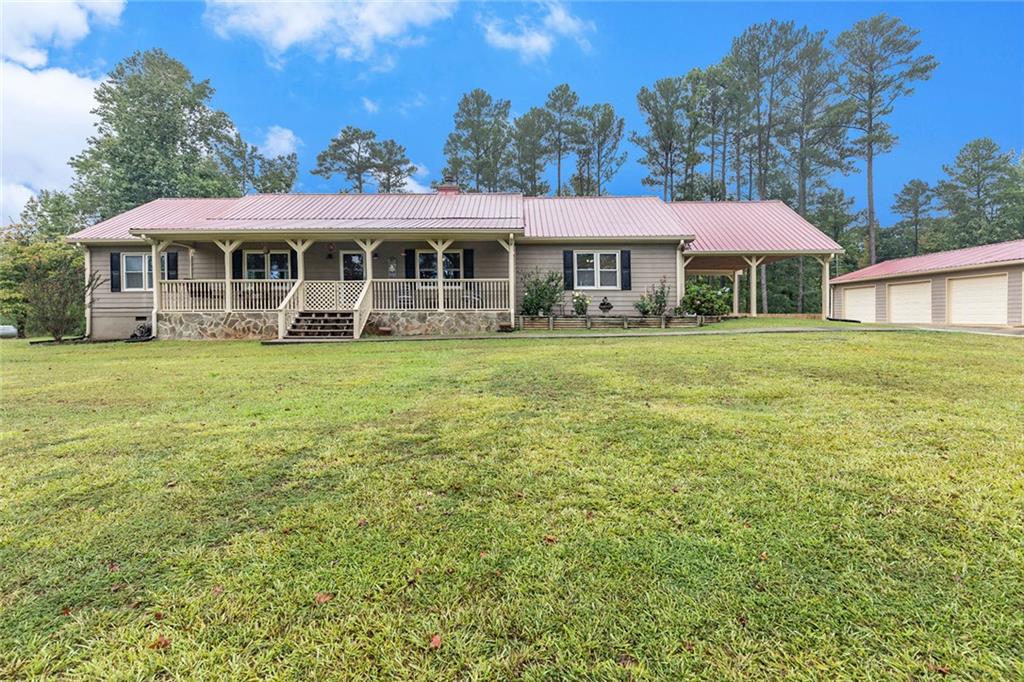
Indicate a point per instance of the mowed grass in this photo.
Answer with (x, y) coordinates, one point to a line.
(811, 506)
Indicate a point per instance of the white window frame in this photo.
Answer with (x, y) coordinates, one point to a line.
(597, 270)
(341, 265)
(456, 282)
(147, 269)
(266, 263)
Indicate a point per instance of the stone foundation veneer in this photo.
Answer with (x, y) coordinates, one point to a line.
(435, 323)
(217, 325)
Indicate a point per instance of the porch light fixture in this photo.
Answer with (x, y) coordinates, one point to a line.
(331, 248)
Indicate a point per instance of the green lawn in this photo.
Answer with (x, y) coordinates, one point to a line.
(805, 505)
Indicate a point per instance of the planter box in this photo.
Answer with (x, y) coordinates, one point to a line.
(552, 322)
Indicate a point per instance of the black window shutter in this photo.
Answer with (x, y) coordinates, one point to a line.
(236, 264)
(567, 270)
(115, 271)
(467, 263)
(172, 265)
(410, 263)
(627, 274)
(294, 264)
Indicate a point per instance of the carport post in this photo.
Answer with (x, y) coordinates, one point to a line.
(825, 302)
(753, 262)
(736, 293)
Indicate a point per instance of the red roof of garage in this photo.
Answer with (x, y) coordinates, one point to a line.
(943, 260)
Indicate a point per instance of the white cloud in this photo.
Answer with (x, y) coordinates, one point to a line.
(46, 111)
(420, 186)
(349, 30)
(534, 39)
(370, 106)
(30, 28)
(280, 141)
(415, 102)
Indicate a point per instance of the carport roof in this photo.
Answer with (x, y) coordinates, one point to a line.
(943, 260)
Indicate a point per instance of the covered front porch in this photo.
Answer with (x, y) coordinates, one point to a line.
(333, 286)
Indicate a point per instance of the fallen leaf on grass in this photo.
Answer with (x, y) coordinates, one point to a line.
(65, 611)
(483, 555)
(171, 484)
(361, 522)
(627, 661)
(435, 642)
(763, 556)
(113, 567)
(160, 642)
(323, 597)
(217, 590)
(940, 669)
(742, 620)
(550, 539)
(159, 615)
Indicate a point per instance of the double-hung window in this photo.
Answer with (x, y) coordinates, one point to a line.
(137, 271)
(426, 265)
(597, 269)
(268, 265)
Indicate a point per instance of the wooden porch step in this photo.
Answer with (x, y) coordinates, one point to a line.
(321, 325)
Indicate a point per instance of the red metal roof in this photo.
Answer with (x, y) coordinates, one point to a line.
(750, 227)
(943, 260)
(715, 227)
(601, 217)
(169, 212)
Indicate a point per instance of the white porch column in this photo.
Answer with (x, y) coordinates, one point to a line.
(157, 249)
(440, 247)
(300, 246)
(826, 303)
(681, 274)
(228, 247)
(753, 262)
(736, 293)
(88, 293)
(368, 248)
(510, 246)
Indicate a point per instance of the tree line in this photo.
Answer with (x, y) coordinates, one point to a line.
(783, 112)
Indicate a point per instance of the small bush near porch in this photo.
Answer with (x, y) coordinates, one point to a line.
(818, 505)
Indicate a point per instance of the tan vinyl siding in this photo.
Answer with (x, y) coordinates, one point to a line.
(648, 264)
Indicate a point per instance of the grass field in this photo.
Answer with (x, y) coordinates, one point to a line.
(803, 505)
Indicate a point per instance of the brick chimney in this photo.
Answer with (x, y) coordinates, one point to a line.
(448, 188)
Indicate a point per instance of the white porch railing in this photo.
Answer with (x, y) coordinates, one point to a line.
(362, 308)
(292, 303)
(192, 295)
(459, 294)
(259, 294)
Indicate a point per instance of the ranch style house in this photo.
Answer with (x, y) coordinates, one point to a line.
(271, 266)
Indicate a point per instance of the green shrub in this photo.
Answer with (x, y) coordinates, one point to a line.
(703, 299)
(654, 301)
(580, 303)
(542, 292)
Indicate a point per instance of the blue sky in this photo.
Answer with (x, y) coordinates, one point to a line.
(292, 75)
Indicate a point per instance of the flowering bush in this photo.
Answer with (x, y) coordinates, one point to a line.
(541, 292)
(580, 303)
(704, 299)
(654, 301)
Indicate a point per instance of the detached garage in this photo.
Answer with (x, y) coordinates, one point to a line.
(980, 286)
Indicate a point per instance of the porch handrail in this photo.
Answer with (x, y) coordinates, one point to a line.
(476, 294)
(191, 295)
(291, 303)
(361, 310)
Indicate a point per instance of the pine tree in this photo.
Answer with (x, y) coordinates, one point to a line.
(350, 153)
(563, 105)
(477, 151)
(878, 67)
(662, 108)
(530, 153)
(391, 167)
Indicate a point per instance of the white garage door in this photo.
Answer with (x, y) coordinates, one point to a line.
(910, 303)
(978, 300)
(859, 304)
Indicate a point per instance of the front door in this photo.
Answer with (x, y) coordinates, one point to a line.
(353, 266)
